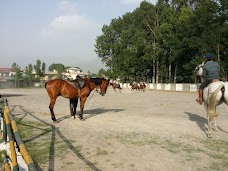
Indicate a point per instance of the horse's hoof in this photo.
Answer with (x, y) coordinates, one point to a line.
(215, 129)
(73, 117)
(82, 119)
(55, 121)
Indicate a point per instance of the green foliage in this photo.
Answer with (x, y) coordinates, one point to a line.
(101, 73)
(43, 68)
(39, 70)
(2, 159)
(28, 74)
(58, 67)
(91, 75)
(18, 74)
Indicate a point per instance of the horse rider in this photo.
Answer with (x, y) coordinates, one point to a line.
(210, 73)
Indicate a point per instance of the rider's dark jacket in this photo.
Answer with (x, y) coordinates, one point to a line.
(210, 72)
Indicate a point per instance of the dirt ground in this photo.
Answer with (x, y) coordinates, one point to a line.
(128, 131)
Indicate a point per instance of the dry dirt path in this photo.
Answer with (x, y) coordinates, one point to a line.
(128, 131)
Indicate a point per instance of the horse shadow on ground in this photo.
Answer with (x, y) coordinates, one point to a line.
(98, 111)
(91, 113)
(222, 129)
(200, 121)
(62, 118)
(54, 132)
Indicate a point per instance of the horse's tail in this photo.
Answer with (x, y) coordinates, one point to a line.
(211, 106)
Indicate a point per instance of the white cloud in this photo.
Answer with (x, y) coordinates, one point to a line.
(69, 23)
(74, 22)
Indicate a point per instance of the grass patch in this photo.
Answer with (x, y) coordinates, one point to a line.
(101, 152)
(215, 145)
(34, 136)
(216, 150)
(1, 159)
(219, 166)
(141, 139)
(41, 141)
(175, 147)
(136, 138)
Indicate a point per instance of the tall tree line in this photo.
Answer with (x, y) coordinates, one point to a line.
(166, 41)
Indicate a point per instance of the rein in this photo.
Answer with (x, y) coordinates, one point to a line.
(93, 93)
(79, 94)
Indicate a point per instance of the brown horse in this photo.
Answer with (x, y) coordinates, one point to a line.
(134, 86)
(60, 87)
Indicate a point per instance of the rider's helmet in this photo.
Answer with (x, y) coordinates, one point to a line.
(208, 56)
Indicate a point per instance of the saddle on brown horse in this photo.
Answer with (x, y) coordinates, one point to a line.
(78, 83)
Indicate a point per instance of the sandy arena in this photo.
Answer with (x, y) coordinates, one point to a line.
(128, 131)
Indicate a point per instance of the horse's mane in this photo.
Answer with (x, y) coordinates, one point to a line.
(97, 81)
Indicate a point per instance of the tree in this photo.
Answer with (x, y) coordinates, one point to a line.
(101, 73)
(43, 68)
(18, 75)
(28, 74)
(37, 67)
(58, 67)
(90, 74)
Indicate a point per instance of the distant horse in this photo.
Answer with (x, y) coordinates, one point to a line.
(142, 86)
(60, 87)
(116, 86)
(134, 86)
(214, 94)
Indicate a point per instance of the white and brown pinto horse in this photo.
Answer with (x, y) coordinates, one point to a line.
(142, 86)
(214, 94)
(116, 85)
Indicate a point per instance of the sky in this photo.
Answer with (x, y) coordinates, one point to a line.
(56, 31)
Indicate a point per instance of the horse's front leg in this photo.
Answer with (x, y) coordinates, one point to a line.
(73, 106)
(82, 104)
